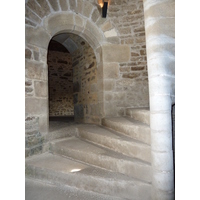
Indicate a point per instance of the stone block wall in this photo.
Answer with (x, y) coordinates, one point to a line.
(36, 100)
(60, 79)
(84, 64)
(33, 138)
(125, 73)
(118, 42)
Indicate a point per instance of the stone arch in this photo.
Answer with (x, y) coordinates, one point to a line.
(86, 80)
(78, 16)
(44, 19)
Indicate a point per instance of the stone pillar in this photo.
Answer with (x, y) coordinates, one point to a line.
(160, 44)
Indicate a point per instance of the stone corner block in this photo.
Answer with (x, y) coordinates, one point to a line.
(41, 88)
(36, 106)
(116, 53)
(37, 36)
(111, 70)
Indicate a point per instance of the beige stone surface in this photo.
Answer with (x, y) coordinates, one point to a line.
(162, 160)
(165, 66)
(87, 9)
(121, 53)
(110, 33)
(98, 156)
(158, 140)
(30, 15)
(164, 26)
(162, 9)
(37, 36)
(95, 31)
(163, 181)
(111, 70)
(64, 5)
(41, 89)
(36, 106)
(107, 26)
(89, 179)
(44, 123)
(54, 4)
(36, 8)
(35, 70)
(55, 21)
(79, 21)
(108, 85)
(164, 84)
(45, 7)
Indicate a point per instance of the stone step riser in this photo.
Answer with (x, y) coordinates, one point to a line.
(139, 115)
(132, 169)
(140, 133)
(142, 152)
(122, 189)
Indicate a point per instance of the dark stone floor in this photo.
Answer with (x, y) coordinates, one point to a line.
(62, 119)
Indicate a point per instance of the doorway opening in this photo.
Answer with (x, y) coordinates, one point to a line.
(60, 82)
(72, 80)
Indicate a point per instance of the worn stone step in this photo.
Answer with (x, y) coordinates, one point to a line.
(115, 141)
(140, 114)
(133, 128)
(38, 190)
(61, 172)
(101, 157)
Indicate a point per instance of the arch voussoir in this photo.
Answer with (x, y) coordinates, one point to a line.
(58, 21)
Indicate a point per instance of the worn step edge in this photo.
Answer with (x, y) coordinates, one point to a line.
(108, 160)
(134, 129)
(140, 114)
(68, 191)
(127, 147)
(125, 188)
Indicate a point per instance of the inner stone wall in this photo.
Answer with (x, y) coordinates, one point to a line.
(85, 83)
(126, 81)
(60, 80)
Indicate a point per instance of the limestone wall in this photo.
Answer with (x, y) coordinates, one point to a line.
(85, 83)
(118, 43)
(125, 72)
(60, 78)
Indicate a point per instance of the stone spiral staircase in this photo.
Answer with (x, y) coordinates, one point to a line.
(111, 161)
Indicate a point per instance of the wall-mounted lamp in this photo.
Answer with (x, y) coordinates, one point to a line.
(104, 5)
(104, 9)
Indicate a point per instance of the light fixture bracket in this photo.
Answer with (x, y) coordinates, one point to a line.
(104, 9)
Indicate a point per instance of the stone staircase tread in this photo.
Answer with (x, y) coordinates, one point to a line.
(87, 147)
(109, 133)
(140, 114)
(64, 165)
(36, 189)
(127, 121)
(130, 127)
(61, 171)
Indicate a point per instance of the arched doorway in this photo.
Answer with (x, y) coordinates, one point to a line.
(72, 79)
